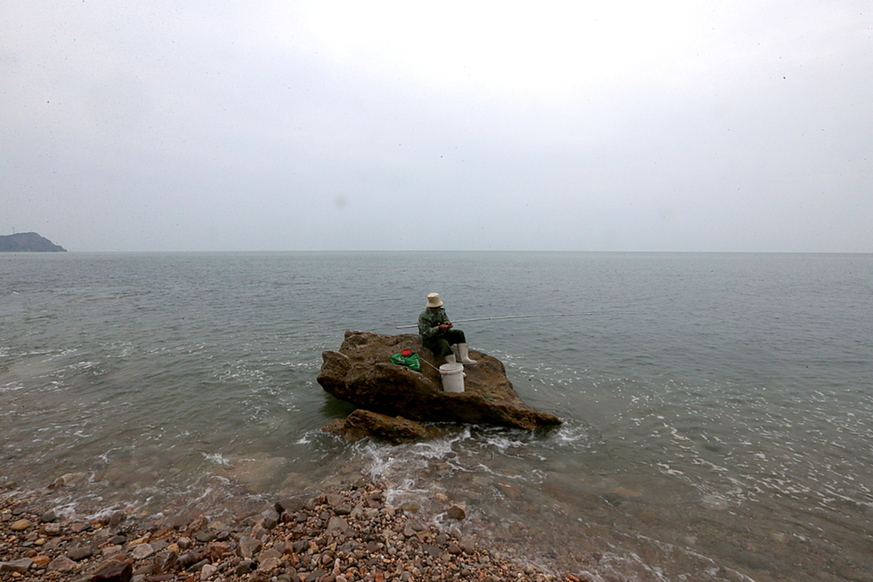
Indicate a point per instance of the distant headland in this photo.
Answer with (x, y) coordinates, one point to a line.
(28, 242)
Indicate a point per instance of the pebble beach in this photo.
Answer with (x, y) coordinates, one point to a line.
(348, 533)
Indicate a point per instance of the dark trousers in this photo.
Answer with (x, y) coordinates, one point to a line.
(441, 345)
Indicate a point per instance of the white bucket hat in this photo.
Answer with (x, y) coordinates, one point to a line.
(433, 300)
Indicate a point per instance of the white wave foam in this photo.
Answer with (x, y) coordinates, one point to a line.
(217, 458)
(570, 433)
(11, 387)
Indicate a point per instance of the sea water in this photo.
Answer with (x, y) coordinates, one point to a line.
(717, 407)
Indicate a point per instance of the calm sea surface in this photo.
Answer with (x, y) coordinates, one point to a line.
(718, 407)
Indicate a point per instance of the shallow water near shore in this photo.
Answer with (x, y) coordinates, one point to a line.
(717, 407)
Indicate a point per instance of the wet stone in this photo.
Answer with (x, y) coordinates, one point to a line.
(166, 560)
(343, 509)
(244, 567)
(208, 571)
(204, 536)
(109, 550)
(142, 551)
(113, 571)
(269, 564)
(116, 518)
(411, 507)
(280, 546)
(248, 547)
(62, 564)
(78, 553)
(268, 554)
(217, 550)
(434, 551)
(41, 561)
(259, 532)
(457, 512)
(300, 546)
(48, 517)
(271, 518)
(291, 505)
(337, 524)
(197, 566)
(186, 560)
(17, 566)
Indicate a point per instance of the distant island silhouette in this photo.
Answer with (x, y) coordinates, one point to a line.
(28, 242)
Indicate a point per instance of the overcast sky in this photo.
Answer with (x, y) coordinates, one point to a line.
(724, 125)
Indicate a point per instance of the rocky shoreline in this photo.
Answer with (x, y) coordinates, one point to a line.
(348, 533)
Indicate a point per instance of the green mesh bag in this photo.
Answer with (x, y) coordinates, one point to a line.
(408, 359)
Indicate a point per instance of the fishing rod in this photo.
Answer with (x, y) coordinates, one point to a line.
(512, 317)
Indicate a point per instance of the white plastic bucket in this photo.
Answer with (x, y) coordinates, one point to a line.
(453, 377)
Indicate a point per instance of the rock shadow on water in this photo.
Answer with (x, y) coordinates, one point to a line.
(333, 407)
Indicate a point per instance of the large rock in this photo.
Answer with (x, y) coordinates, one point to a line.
(362, 423)
(361, 373)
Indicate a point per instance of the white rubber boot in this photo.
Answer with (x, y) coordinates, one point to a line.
(450, 359)
(457, 351)
(463, 351)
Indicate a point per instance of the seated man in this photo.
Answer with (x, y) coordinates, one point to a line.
(437, 333)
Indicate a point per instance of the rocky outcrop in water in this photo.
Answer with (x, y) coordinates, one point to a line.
(362, 423)
(28, 242)
(361, 373)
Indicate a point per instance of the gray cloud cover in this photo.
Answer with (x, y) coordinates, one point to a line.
(682, 126)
